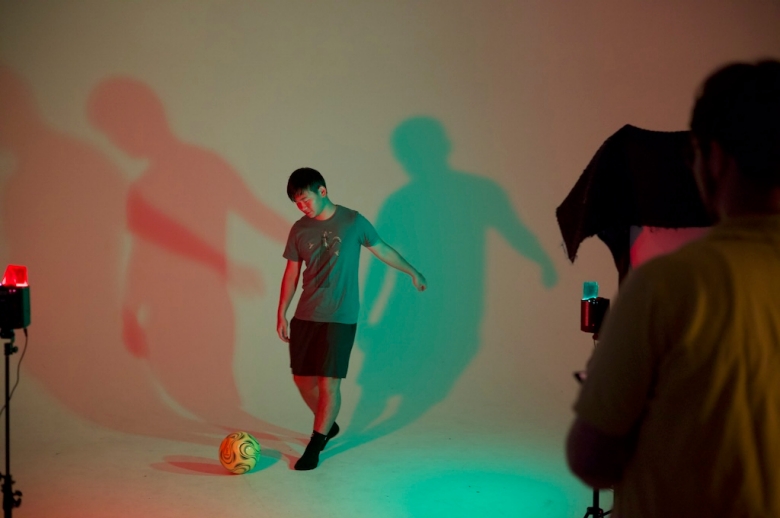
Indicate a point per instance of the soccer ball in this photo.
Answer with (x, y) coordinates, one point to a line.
(239, 452)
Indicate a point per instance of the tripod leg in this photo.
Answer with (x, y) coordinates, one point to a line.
(595, 511)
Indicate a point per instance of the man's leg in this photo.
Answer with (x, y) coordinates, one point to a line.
(309, 389)
(329, 390)
(328, 405)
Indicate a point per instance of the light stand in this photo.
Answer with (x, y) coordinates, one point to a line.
(11, 498)
(14, 314)
(595, 510)
(592, 311)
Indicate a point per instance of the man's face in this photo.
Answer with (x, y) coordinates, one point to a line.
(311, 203)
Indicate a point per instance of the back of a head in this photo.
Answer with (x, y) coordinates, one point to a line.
(739, 108)
(304, 179)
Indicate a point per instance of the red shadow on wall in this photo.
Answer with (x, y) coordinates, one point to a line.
(63, 216)
(65, 210)
(177, 315)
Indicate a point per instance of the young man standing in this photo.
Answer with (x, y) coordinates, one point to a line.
(328, 240)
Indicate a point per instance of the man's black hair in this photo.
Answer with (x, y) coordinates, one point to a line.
(304, 179)
(739, 108)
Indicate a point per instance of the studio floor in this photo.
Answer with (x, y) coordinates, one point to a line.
(438, 466)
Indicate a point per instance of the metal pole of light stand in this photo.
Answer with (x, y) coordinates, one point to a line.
(596, 511)
(11, 498)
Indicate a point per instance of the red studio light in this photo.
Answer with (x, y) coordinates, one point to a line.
(14, 299)
(15, 276)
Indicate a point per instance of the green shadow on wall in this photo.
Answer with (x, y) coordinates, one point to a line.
(417, 345)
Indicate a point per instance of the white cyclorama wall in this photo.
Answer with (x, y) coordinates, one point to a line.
(145, 148)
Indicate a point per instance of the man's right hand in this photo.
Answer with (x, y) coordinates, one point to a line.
(282, 329)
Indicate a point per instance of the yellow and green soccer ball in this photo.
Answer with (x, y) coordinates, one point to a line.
(239, 452)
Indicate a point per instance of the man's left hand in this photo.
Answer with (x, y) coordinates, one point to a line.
(419, 281)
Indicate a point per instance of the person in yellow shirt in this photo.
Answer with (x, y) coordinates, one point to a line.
(680, 410)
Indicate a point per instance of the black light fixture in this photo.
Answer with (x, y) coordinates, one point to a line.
(14, 299)
(592, 309)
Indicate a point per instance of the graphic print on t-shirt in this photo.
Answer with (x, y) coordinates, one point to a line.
(322, 259)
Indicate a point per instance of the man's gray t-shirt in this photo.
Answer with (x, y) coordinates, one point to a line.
(330, 250)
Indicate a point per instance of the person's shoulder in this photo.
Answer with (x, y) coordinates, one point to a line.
(350, 215)
(698, 256)
(346, 211)
(690, 267)
(680, 260)
(300, 223)
(355, 219)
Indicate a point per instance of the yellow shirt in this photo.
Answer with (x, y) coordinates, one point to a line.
(689, 360)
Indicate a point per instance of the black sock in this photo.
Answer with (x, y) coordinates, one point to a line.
(311, 456)
(317, 437)
(334, 431)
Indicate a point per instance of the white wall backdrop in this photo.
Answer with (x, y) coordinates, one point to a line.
(145, 148)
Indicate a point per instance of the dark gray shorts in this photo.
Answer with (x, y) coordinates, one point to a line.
(320, 348)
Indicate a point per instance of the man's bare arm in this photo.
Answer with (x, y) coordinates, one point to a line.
(289, 285)
(391, 257)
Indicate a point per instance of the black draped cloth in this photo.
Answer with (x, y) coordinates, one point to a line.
(637, 177)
